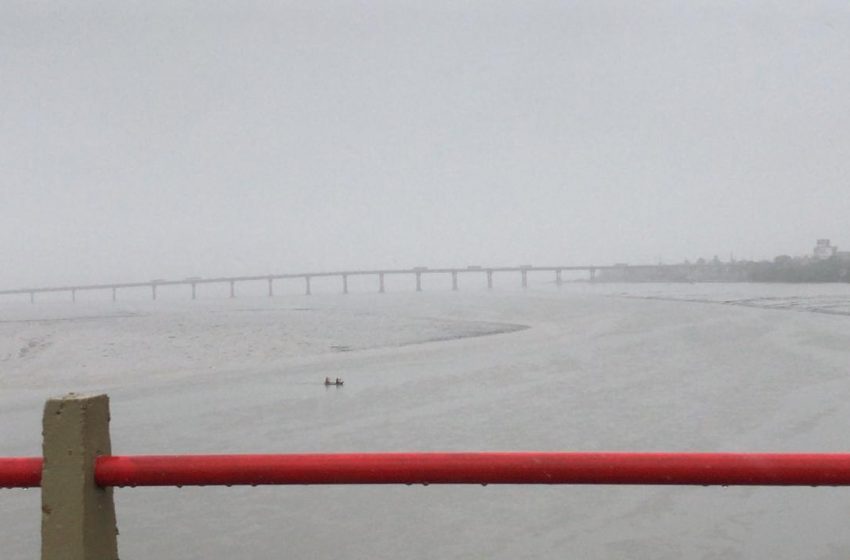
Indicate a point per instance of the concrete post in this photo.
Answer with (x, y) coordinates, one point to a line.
(489, 279)
(454, 280)
(524, 279)
(307, 290)
(78, 516)
(558, 279)
(232, 289)
(380, 282)
(418, 281)
(271, 290)
(345, 283)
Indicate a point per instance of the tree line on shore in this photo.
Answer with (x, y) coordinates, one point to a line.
(783, 268)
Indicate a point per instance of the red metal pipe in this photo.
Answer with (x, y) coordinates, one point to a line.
(20, 472)
(748, 469)
(479, 468)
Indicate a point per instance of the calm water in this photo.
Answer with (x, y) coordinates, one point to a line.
(593, 371)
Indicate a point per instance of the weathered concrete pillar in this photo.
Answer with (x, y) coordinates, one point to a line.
(345, 283)
(454, 280)
(380, 282)
(232, 289)
(78, 516)
(558, 279)
(307, 290)
(271, 289)
(489, 279)
(153, 292)
(418, 281)
(194, 291)
(524, 279)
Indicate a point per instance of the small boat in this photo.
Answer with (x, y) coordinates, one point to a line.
(338, 382)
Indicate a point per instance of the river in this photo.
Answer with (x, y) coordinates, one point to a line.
(608, 367)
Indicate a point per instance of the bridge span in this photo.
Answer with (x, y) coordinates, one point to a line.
(415, 273)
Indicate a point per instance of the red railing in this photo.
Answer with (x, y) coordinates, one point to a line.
(727, 469)
(77, 472)
(20, 472)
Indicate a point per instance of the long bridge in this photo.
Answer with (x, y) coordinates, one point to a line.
(417, 273)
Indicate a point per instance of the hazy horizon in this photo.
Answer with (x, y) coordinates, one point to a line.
(175, 139)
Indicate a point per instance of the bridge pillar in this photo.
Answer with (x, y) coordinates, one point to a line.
(489, 279)
(194, 291)
(232, 289)
(271, 289)
(73, 295)
(558, 280)
(78, 516)
(307, 290)
(524, 279)
(153, 292)
(418, 281)
(114, 294)
(344, 283)
(380, 282)
(454, 280)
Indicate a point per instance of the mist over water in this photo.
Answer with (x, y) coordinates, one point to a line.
(183, 140)
(177, 139)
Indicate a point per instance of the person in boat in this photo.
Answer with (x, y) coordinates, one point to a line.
(327, 380)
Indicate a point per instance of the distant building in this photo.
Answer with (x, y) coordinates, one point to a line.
(823, 250)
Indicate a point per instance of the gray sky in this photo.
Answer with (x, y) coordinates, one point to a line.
(169, 139)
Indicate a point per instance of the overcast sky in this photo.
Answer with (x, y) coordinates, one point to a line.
(168, 139)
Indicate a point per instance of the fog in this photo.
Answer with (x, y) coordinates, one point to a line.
(167, 139)
(170, 139)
